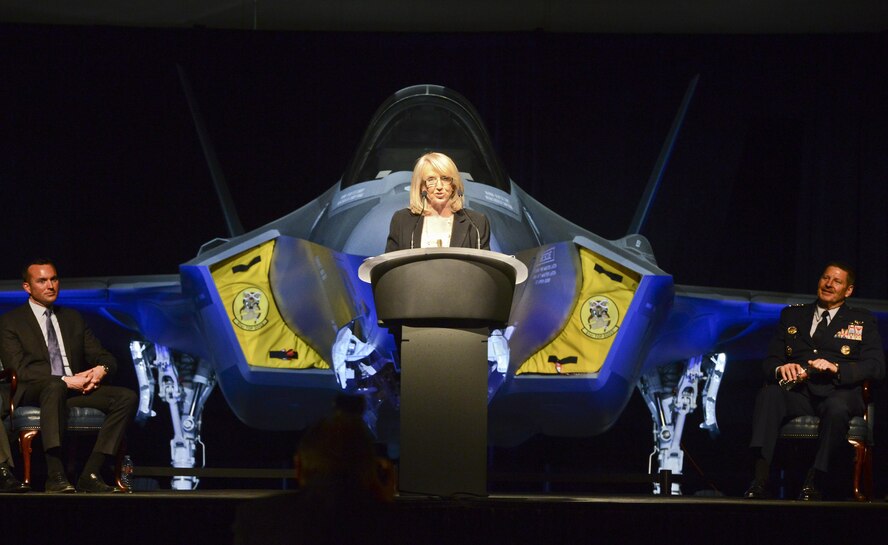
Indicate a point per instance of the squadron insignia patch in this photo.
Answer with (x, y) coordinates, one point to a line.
(250, 309)
(599, 317)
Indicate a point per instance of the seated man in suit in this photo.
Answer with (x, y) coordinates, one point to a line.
(8, 482)
(60, 365)
(821, 355)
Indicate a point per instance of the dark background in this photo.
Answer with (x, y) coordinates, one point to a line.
(781, 164)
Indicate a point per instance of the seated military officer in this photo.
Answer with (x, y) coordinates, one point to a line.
(816, 365)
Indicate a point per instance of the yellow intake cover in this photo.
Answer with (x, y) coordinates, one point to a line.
(599, 310)
(267, 341)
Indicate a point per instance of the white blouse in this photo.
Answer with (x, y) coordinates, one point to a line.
(436, 231)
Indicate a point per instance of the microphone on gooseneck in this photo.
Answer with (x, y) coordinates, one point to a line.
(413, 231)
(477, 232)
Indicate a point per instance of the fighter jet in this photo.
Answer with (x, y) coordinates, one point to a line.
(280, 320)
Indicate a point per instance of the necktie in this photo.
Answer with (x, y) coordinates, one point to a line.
(820, 332)
(52, 343)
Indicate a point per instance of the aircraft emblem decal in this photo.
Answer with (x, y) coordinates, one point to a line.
(599, 317)
(251, 305)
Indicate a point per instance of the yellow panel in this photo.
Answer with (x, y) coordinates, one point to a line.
(267, 341)
(598, 313)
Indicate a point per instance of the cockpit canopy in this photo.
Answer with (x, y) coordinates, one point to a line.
(420, 119)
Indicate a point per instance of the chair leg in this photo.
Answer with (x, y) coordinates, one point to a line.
(868, 473)
(26, 437)
(862, 472)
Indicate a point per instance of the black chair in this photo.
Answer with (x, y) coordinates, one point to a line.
(860, 435)
(25, 421)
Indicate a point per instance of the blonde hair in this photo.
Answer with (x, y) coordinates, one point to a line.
(441, 165)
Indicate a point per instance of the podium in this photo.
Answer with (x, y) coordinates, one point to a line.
(440, 304)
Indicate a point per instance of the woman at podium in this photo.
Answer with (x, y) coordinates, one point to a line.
(436, 217)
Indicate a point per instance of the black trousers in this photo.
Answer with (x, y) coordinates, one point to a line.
(5, 453)
(55, 400)
(774, 406)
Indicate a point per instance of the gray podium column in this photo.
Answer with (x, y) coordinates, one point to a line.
(443, 411)
(441, 302)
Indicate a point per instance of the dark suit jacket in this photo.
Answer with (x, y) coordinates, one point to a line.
(852, 341)
(23, 348)
(405, 224)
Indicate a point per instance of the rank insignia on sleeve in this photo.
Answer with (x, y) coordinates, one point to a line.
(792, 330)
(846, 349)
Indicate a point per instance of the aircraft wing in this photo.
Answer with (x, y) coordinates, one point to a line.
(738, 322)
(151, 307)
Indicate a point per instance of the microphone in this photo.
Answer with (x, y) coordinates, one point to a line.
(477, 232)
(413, 231)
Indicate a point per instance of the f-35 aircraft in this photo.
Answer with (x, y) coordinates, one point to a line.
(279, 319)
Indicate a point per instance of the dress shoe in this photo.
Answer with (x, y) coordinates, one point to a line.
(93, 484)
(8, 482)
(810, 493)
(758, 490)
(58, 484)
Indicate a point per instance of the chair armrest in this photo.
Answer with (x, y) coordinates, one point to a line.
(870, 411)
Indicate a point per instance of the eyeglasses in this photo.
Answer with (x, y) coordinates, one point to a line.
(433, 181)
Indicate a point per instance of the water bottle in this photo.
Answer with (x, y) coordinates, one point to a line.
(126, 473)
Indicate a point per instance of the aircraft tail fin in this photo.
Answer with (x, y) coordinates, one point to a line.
(232, 221)
(650, 191)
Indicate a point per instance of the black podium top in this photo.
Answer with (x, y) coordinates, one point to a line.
(443, 285)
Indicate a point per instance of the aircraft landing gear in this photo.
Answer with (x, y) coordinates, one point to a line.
(185, 386)
(670, 392)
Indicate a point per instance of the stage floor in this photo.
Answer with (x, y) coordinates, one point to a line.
(197, 517)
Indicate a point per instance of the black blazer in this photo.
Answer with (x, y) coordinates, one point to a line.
(407, 226)
(23, 348)
(852, 341)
